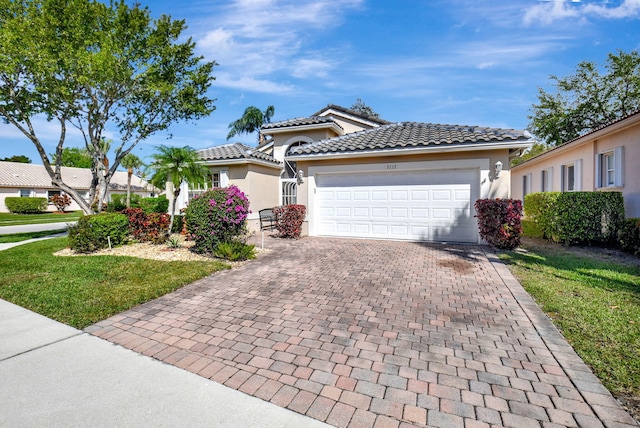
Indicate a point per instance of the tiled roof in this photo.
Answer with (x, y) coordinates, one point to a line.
(235, 151)
(412, 135)
(26, 175)
(582, 136)
(353, 113)
(300, 121)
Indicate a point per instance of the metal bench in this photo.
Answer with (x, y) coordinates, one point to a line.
(267, 219)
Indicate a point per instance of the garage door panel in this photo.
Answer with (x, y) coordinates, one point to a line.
(419, 195)
(379, 212)
(379, 195)
(442, 214)
(420, 213)
(361, 212)
(361, 195)
(343, 212)
(418, 206)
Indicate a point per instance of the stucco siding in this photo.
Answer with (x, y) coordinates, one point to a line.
(625, 142)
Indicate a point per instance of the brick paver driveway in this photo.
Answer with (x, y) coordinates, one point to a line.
(375, 333)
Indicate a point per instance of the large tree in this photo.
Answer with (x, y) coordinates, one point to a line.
(176, 165)
(588, 99)
(363, 109)
(96, 67)
(132, 163)
(74, 157)
(251, 121)
(17, 158)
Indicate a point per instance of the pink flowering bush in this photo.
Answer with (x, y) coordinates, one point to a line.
(218, 215)
(499, 221)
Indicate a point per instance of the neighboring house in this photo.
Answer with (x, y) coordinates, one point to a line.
(606, 159)
(25, 179)
(364, 177)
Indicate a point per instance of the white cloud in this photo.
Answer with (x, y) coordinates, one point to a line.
(258, 42)
(550, 11)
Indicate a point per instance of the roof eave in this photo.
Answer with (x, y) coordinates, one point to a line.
(310, 127)
(244, 161)
(587, 138)
(412, 151)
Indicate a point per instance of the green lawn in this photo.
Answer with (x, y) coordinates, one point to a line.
(17, 237)
(10, 219)
(80, 291)
(596, 305)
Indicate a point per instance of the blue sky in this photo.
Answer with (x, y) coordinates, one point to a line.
(466, 62)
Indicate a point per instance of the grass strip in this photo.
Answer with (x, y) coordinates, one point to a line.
(10, 219)
(80, 291)
(595, 304)
(18, 237)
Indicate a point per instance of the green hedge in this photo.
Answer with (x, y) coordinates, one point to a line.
(118, 202)
(539, 214)
(575, 217)
(155, 205)
(629, 236)
(94, 232)
(20, 205)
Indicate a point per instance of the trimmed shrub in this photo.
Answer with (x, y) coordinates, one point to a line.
(155, 205)
(531, 229)
(587, 217)
(539, 214)
(118, 202)
(218, 215)
(629, 236)
(60, 201)
(19, 205)
(234, 251)
(289, 219)
(178, 223)
(153, 227)
(499, 221)
(94, 232)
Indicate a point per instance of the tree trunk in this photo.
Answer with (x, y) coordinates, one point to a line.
(129, 174)
(176, 193)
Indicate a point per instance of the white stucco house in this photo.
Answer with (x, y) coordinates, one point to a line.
(364, 177)
(25, 179)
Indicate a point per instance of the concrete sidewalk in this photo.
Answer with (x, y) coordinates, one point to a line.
(40, 227)
(54, 375)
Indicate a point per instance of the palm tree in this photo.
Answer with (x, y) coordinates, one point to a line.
(251, 121)
(176, 165)
(131, 162)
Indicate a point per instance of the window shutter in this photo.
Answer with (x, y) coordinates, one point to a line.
(224, 178)
(618, 160)
(598, 172)
(563, 173)
(577, 171)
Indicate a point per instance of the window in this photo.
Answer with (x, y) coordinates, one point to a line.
(25, 193)
(526, 185)
(609, 168)
(214, 179)
(572, 176)
(51, 193)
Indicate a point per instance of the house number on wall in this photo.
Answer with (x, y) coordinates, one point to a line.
(391, 166)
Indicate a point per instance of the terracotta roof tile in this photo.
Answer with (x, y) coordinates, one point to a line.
(235, 151)
(411, 135)
(26, 175)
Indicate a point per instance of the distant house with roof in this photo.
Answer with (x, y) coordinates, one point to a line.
(29, 180)
(603, 160)
(364, 177)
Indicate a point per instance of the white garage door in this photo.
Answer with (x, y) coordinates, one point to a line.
(420, 205)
